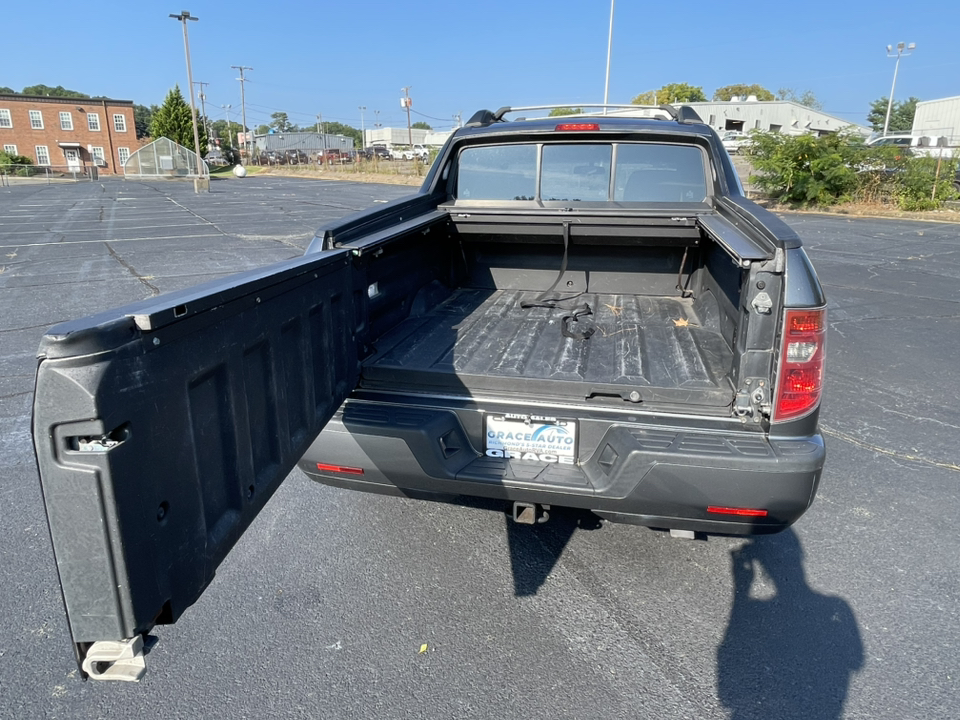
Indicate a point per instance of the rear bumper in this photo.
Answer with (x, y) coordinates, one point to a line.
(629, 472)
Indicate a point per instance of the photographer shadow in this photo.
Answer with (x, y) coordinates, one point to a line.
(789, 652)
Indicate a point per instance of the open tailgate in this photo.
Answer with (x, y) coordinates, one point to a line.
(162, 428)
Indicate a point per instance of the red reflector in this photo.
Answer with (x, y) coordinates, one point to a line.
(577, 126)
(749, 512)
(339, 469)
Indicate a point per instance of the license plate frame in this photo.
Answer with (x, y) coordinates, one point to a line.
(531, 437)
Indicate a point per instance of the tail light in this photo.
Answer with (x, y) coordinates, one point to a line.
(800, 379)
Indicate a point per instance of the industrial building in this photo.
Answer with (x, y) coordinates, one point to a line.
(309, 142)
(391, 137)
(783, 116)
(68, 133)
(938, 118)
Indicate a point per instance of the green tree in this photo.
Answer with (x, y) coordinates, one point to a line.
(805, 98)
(58, 91)
(142, 117)
(901, 114)
(743, 91)
(7, 91)
(671, 93)
(335, 128)
(281, 123)
(173, 120)
(561, 111)
(421, 125)
(262, 129)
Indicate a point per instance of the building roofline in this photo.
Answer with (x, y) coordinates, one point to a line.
(57, 98)
(927, 102)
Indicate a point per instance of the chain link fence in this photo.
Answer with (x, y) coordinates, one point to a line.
(13, 174)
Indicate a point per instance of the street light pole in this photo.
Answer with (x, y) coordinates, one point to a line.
(183, 17)
(606, 87)
(900, 53)
(227, 109)
(363, 132)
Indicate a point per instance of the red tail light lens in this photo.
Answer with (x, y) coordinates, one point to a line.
(577, 126)
(800, 379)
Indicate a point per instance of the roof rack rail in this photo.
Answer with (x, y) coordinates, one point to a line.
(681, 113)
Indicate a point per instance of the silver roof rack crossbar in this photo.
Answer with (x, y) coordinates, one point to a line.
(681, 113)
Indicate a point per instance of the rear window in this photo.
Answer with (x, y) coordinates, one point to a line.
(583, 172)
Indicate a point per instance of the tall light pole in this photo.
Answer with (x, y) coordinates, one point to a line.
(902, 51)
(363, 132)
(183, 17)
(243, 109)
(227, 109)
(606, 87)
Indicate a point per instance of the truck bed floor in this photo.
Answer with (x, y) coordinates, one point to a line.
(483, 339)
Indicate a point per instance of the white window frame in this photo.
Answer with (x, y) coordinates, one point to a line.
(6, 119)
(119, 122)
(121, 151)
(93, 122)
(36, 116)
(10, 149)
(66, 115)
(97, 154)
(46, 151)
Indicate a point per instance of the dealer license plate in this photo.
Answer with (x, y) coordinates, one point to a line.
(531, 438)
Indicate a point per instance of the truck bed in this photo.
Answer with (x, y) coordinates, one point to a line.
(482, 339)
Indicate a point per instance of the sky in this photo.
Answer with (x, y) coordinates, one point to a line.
(459, 57)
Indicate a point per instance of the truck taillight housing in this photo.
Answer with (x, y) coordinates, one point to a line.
(800, 379)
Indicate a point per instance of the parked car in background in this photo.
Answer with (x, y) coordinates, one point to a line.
(378, 152)
(271, 157)
(734, 141)
(296, 157)
(417, 152)
(215, 158)
(332, 156)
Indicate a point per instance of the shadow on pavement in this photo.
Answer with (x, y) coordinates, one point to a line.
(789, 652)
(535, 549)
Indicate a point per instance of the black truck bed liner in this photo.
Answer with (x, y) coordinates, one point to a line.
(481, 339)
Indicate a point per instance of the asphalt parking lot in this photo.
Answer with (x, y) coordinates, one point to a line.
(323, 607)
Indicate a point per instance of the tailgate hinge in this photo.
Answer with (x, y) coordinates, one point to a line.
(116, 660)
(753, 400)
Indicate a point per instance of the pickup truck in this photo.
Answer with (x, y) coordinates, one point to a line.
(581, 312)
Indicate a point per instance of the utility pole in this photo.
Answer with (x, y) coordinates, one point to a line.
(363, 132)
(203, 108)
(183, 17)
(323, 136)
(407, 102)
(243, 108)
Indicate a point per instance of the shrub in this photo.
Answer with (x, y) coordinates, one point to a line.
(804, 169)
(920, 188)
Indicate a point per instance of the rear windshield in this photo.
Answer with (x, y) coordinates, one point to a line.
(596, 172)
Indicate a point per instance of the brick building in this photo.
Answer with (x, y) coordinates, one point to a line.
(69, 132)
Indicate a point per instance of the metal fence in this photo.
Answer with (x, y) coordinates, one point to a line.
(25, 174)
